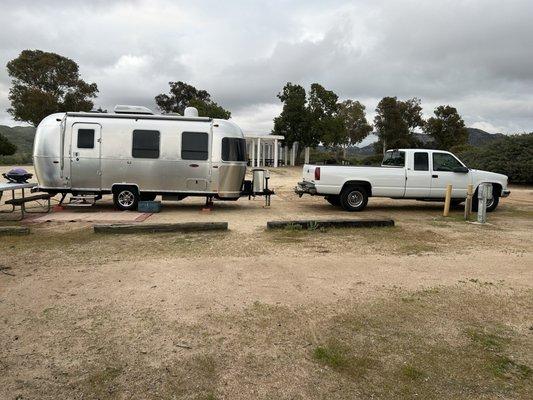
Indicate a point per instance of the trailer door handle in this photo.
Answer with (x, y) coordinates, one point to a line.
(194, 165)
(434, 176)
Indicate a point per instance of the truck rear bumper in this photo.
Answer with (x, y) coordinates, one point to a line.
(305, 188)
(505, 193)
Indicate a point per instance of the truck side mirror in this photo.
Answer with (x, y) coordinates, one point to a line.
(461, 170)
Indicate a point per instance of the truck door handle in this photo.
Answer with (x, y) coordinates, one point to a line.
(193, 165)
(434, 176)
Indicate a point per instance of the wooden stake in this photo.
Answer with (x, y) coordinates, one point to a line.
(447, 200)
(468, 201)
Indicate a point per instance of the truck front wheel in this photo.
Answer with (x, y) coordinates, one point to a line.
(354, 198)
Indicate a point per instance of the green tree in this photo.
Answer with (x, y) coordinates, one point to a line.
(355, 124)
(6, 147)
(183, 95)
(396, 122)
(324, 123)
(510, 155)
(447, 128)
(293, 122)
(45, 83)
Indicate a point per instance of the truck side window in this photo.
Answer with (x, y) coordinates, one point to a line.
(194, 146)
(445, 162)
(421, 162)
(394, 159)
(233, 149)
(85, 138)
(145, 144)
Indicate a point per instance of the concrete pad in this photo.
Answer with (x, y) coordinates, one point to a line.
(155, 228)
(331, 223)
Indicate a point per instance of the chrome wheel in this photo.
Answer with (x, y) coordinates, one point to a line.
(126, 199)
(490, 202)
(355, 199)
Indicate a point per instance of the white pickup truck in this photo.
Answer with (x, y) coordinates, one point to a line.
(404, 174)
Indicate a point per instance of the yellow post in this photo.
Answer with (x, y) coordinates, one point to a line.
(447, 200)
(468, 202)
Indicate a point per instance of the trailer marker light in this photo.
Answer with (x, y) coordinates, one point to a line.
(317, 173)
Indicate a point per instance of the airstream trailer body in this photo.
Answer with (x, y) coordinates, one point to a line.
(133, 152)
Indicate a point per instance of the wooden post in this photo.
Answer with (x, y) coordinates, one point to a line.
(447, 200)
(468, 201)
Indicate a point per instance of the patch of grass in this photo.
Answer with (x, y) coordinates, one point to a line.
(412, 373)
(504, 367)
(487, 340)
(339, 357)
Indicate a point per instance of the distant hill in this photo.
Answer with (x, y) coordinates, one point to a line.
(22, 137)
(476, 137)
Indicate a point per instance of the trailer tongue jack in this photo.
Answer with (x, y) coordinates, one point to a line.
(258, 186)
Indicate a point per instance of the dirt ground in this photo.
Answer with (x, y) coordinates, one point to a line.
(431, 308)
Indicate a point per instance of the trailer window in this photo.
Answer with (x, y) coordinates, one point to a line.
(394, 159)
(421, 162)
(145, 144)
(445, 162)
(194, 146)
(85, 138)
(233, 149)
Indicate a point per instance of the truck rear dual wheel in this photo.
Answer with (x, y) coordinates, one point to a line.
(354, 198)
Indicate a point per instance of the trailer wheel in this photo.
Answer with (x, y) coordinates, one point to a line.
(126, 198)
(147, 196)
(333, 200)
(354, 198)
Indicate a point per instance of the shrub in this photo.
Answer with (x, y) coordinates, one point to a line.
(511, 156)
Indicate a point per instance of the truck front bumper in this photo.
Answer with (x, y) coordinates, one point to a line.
(505, 193)
(305, 188)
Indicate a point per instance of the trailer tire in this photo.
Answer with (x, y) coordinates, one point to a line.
(147, 196)
(334, 200)
(126, 197)
(354, 198)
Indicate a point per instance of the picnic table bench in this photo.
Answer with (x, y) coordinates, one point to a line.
(21, 201)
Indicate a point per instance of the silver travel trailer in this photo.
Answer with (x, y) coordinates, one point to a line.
(136, 155)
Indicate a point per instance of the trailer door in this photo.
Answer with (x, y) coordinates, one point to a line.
(195, 163)
(85, 173)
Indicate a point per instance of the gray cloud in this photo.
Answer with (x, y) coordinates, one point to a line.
(472, 54)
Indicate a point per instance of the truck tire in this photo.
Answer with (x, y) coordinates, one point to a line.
(147, 196)
(126, 197)
(354, 198)
(334, 200)
(491, 204)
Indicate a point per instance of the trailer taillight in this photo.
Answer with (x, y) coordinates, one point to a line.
(317, 173)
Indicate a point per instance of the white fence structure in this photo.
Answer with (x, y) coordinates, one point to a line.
(269, 151)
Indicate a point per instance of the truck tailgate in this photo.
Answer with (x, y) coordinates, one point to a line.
(308, 173)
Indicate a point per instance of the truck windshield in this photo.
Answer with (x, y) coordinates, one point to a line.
(233, 149)
(394, 159)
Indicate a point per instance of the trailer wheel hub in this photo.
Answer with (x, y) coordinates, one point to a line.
(126, 198)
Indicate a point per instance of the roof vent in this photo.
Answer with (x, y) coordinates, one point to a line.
(190, 112)
(123, 109)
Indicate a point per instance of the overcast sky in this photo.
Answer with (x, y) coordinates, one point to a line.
(474, 54)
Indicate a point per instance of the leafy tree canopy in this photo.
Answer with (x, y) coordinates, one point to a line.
(447, 129)
(293, 122)
(6, 147)
(183, 95)
(325, 125)
(45, 83)
(510, 155)
(352, 114)
(396, 122)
